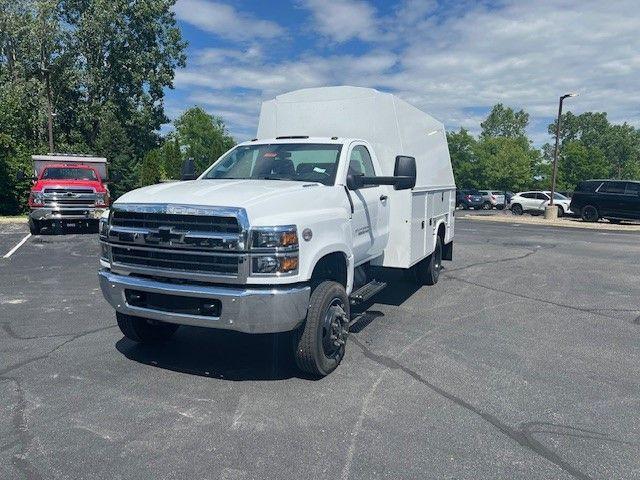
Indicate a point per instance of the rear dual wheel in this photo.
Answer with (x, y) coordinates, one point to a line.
(428, 270)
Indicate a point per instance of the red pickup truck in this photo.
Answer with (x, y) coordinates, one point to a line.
(68, 190)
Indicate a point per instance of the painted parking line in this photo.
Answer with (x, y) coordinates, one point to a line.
(14, 249)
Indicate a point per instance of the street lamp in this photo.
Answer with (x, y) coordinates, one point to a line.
(555, 152)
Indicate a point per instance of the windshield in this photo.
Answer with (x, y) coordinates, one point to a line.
(62, 173)
(299, 162)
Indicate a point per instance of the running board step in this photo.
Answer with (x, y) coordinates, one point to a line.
(366, 291)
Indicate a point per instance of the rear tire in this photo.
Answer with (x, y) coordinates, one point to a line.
(319, 344)
(428, 270)
(34, 226)
(516, 209)
(486, 206)
(589, 213)
(141, 330)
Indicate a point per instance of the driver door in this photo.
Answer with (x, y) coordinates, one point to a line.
(370, 205)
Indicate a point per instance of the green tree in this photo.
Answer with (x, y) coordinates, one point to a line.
(151, 171)
(466, 168)
(506, 163)
(578, 162)
(108, 63)
(202, 137)
(616, 145)
(171, 157)
(505, 122)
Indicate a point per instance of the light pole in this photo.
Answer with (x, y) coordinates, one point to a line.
(555, 152)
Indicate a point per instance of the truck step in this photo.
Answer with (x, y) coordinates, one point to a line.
(366, 291)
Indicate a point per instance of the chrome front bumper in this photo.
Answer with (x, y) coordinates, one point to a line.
(66, 213)
(249, 310)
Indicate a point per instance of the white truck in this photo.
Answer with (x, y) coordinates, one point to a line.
(285, 232)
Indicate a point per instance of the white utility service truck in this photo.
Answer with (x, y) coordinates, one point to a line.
(285, 232)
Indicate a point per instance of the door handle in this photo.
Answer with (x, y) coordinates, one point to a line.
(383, 198)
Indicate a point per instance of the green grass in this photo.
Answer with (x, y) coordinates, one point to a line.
(13, 218)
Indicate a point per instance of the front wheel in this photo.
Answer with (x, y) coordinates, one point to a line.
(590, 214)
(34, 226)
(320, 343)
(560, 212)
(141, 330)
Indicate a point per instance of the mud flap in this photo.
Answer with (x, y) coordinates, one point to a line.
(447, 251)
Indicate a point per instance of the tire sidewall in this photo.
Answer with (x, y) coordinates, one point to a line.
(310, 335)
(586, 217)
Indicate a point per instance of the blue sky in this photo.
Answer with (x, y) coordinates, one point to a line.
(453, 59)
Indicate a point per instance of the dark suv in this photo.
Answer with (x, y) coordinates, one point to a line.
(469, 199)
(614, 200)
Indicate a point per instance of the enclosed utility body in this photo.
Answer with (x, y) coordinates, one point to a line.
(285, 232)
(392, 127)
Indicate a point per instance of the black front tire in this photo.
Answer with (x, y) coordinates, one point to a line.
(314, 350)
(590, 213)
(560, 212)
(141, 330)
(428, 270)
(516, 209)
(34, 226)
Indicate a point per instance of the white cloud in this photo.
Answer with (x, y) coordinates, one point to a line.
(342, 20)
(224, 20)
(523, 54)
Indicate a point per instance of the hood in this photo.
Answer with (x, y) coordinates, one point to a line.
(40, 184)
(267, 202)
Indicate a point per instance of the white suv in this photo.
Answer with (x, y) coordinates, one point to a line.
(536, 201)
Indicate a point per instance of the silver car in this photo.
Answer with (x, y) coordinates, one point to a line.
(492, 199)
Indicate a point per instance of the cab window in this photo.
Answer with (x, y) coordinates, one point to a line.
(360, 162)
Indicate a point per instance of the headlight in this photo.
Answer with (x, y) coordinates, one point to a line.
(270, 264)
(101, 199)
(275, 238)
(103, 228)
(36, 198)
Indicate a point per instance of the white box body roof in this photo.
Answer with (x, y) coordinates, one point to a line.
(391, 125)
(42, 161)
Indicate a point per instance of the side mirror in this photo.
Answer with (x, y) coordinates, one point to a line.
(405, 171)
(188, 171)
(355, 182)
(20, 175)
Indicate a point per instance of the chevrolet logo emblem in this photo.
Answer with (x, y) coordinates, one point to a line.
(164, 233)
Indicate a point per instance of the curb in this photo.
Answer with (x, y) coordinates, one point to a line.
(554, 223)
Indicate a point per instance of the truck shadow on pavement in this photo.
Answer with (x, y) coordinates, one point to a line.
(218, 354)
(237, 356)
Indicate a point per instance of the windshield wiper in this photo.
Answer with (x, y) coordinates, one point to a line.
(271, 177)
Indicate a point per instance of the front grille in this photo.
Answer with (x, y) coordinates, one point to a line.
(68, 190)
(168, 259)
(68, 202)
(200, 223)
(69, 197)
(176, 241)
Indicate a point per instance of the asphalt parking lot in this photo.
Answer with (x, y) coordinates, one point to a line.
(523, 362)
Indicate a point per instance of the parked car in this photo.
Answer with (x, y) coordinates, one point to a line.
(467, 199)
(535, 203)
(614, 200)
(489, 200)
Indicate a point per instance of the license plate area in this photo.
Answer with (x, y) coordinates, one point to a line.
(204, 307)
